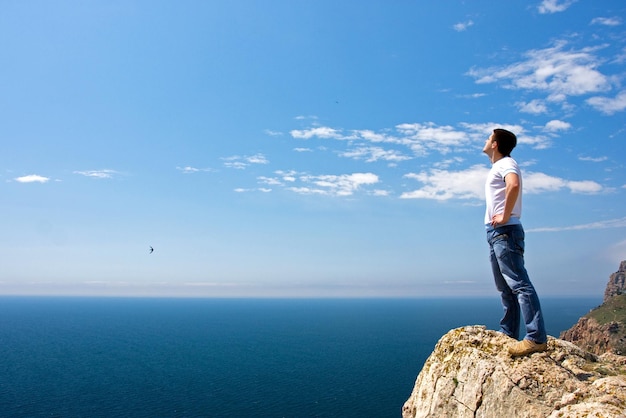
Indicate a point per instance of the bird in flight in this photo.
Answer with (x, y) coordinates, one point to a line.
(151, 250)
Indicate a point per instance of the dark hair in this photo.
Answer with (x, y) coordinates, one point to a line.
(506, 141)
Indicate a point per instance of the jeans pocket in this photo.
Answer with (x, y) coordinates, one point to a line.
(500, 245)
(498, 238)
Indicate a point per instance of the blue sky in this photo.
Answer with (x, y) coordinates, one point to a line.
(305, 148)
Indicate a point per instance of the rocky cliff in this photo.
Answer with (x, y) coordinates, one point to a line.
(469, 374)
(604, 328)
(617, 283)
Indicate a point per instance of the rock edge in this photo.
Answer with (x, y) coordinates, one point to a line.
(470, 374)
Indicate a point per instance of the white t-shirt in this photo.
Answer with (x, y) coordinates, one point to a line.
(495, 190)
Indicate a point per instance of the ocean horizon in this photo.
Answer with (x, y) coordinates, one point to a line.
(203, 357)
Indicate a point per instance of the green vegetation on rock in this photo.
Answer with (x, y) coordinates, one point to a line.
(612, 310)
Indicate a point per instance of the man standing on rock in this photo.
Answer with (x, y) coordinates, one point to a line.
(505, 235)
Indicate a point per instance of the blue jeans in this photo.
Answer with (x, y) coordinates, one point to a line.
(506, 244)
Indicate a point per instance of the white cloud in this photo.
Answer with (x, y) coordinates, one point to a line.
(462, 26)
(336, 185)
(380, 192)
(420, 138)
(593, 159)
(557, 125)
(372, 154)
(535, 183)
(445, 135)
(423, 137)
(257, 159)
(472, 96)
(32, 178)
(325, 184)
(188, 169)
(269, 180)
(534, 141)
(608, 105)
(540, 182)
(237, 165)
(607, 21)
(191, 170)
(288, 176)
(621, 57)
(556, 71)
(611, 223)
(554, 6)
(534, 107)
(303, 117)
(469, 184)
(260, 189)
(527, 163)
(372, 136)
(479, 132)
(307, 190)
(320, 132)
(445, 185)
(448, 162)
(98, 174)
(242, 162)
(584, 187)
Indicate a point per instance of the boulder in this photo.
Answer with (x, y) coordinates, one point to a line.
(471, 374)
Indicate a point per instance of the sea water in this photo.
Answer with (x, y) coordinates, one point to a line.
(108, 357)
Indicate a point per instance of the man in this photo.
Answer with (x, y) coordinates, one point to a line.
(505, 235)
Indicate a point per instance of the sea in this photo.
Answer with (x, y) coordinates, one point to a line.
(151, 357)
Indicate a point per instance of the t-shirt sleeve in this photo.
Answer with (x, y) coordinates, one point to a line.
(508, 167)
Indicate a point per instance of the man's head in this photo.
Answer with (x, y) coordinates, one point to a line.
(505, 140)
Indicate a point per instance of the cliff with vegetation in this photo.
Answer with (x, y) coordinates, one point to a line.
(470, 374)
(604, 328)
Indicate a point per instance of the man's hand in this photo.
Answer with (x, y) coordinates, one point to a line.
(499, 220)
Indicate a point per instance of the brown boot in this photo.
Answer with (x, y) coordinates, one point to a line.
(525, 347)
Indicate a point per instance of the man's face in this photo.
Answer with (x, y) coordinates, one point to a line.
(490, 145)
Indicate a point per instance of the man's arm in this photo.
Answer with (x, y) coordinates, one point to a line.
(511, 194)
